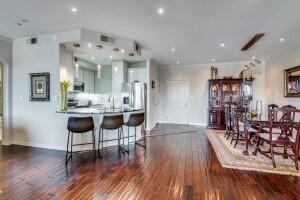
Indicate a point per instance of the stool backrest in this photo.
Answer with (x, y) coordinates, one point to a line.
(80, 124)
(136, 119)
(112, 122)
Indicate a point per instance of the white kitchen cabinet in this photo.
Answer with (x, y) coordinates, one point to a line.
(80, 76)
(103, 85)
(137, 74)
(89, 81)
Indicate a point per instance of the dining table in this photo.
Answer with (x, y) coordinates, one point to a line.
(254, 122)
(261, 123)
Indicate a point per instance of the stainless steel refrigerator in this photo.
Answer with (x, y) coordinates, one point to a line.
(134, 95)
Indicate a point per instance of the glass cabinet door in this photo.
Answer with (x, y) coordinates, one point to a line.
(215, 95)
(247, 91)
(225, 94)
(236, 92)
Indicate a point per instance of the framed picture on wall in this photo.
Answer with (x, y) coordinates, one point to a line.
(39, 87)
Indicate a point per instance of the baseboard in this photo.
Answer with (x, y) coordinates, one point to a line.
(38, 145)
(197, 124)
(7, 143)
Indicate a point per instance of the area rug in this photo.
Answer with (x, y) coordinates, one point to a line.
(230, 157)
(168, 129)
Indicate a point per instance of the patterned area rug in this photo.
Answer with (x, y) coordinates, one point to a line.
(230, 157)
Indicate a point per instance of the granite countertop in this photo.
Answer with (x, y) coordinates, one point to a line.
(98, 110)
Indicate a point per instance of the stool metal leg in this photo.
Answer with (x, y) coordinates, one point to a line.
(143, 137)
(67, 149)
(93, 138)
(99, 142)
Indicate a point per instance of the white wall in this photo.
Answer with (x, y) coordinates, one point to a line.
(152, 94)
(198, 76)
(6, 60)
(36, 123)
(275, 78)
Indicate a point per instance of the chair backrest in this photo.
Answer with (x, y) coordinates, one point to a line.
(112, 122)
(288, 106)
(274, 114)
(272, 106)
(234, 118)
(285, 123)
(80, 124)
(136, 119)
(227, 118)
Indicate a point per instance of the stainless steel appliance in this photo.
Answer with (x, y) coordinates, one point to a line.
(134, 95)
(78, 87)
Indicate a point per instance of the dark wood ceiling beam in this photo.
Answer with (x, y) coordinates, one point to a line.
(257, 37)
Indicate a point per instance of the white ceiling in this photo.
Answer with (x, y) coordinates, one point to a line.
(195, 28)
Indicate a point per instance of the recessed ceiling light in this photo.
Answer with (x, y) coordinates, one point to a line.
(173, 49)
(122, 50)
(161, 11)
(222, 44)
(98, 46)
(131, 54)
(178, 62)
(93, 58)
(73, 9)
(253, 57)
(90, 45)
(282, 39)
(115, 49)
(111, 56)
(213, 60)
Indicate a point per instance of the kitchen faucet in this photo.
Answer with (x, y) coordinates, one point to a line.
(113, 100)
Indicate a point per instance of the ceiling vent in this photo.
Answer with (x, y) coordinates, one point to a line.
(108, 39)
(137, 48)
(33, 40)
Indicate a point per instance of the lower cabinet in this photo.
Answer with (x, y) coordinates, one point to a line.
(216, 119)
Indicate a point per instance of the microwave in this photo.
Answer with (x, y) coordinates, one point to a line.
(78, 87)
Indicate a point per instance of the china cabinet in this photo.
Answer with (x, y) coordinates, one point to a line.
(226, 91)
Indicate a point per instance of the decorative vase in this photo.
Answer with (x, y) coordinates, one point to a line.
(65, 99)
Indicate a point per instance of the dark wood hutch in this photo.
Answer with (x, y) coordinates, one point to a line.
(222, 91)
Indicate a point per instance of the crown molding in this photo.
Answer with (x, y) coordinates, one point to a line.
(6, 39)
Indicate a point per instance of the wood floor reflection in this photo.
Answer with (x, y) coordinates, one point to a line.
(178, 166)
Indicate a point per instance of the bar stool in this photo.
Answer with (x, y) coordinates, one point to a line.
(79, 125)
(111, 122)
(135, 120)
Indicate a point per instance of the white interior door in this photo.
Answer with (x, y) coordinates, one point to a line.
(177, 102)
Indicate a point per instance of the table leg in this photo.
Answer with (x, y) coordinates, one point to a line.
(246, 153)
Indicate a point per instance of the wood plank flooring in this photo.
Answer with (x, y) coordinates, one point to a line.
(178, 166)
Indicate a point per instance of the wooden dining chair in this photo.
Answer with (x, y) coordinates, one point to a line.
(228, 122)
(238, 127)
(288, 106)
(283, 134)
(272, 107)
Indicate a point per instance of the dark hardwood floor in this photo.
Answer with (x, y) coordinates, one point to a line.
(178, 166)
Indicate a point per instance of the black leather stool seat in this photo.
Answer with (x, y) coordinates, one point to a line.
(111, 122)
(135, 120)
(79, 125)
